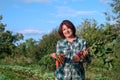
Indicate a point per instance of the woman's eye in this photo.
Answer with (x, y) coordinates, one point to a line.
(64, 29)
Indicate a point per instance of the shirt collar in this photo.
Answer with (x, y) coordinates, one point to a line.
(75, 39)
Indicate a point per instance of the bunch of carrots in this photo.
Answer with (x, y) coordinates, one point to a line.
(59, 60)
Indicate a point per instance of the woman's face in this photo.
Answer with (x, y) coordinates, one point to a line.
(67, 32)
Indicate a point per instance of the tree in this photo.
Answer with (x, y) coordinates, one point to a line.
(7, 40)
(100, 41)
(47, 44)
(28, 48)
(115, 16)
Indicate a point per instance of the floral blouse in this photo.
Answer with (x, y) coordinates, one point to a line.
(70, 70)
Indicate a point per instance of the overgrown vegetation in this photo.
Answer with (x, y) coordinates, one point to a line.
(30, 60)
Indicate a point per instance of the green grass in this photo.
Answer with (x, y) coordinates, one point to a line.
(19, 73)
(10, 75)
(10, 72)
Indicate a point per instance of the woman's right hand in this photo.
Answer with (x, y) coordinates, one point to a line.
(53, 55)
(76, 58)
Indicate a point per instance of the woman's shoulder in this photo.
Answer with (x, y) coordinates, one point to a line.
(81, 39)
(61, 40)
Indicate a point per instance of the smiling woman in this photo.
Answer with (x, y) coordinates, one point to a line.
(70, 46)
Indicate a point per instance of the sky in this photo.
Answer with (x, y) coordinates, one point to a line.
(35, 18)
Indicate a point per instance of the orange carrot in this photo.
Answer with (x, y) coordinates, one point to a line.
(59, 60)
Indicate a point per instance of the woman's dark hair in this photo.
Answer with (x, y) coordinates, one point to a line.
(69, 24)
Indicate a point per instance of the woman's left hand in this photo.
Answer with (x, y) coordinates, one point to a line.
(76, 58)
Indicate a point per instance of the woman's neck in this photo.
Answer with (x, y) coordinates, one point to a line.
(70, 39)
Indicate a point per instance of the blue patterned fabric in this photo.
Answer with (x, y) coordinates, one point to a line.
(70, 70)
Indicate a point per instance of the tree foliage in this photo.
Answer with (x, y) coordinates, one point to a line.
(47, 44)
(100, 40)
(7, 40)
(115, 12)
